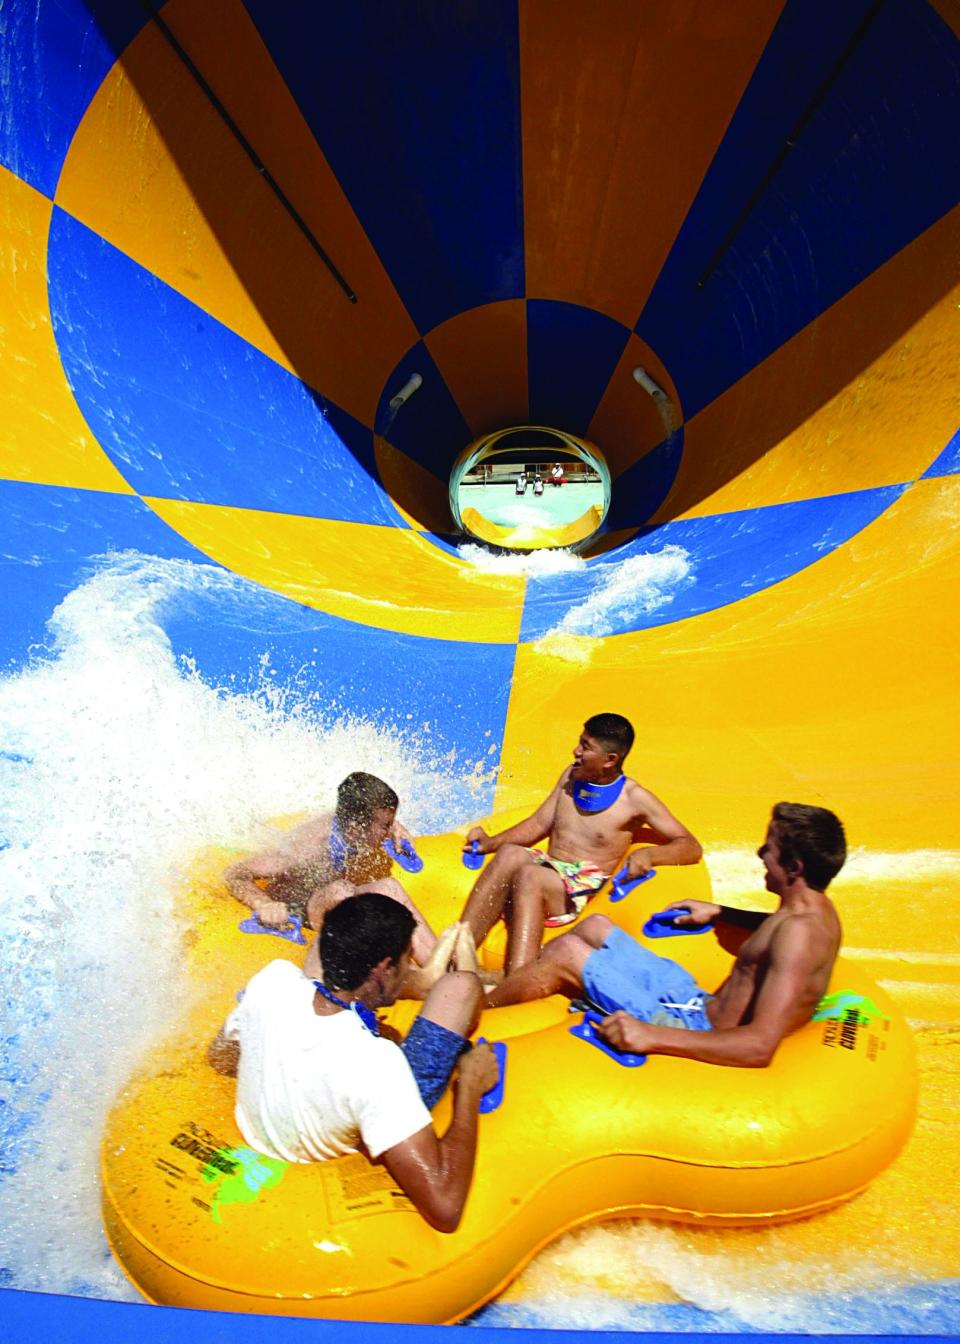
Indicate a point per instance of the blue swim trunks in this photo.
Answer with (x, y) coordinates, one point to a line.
(624, 974)
(432, 1052)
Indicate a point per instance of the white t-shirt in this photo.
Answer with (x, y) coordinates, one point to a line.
(310, 1086)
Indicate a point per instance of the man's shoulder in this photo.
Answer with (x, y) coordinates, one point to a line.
(637, 797)
(808, 930)
(277, 976)
(315, 830)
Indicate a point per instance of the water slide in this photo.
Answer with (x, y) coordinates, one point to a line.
(232, 230)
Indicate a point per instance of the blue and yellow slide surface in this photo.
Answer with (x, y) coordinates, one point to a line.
(230, 232)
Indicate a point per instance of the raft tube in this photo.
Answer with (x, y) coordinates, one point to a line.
(196, 1218)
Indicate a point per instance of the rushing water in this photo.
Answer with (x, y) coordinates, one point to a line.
(118, 762)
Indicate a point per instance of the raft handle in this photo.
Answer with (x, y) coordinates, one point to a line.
(661, 925)
(472, 858)
(492, 1099)
(586, 1031)
(293, 935)
(404, 854)
(621, 885)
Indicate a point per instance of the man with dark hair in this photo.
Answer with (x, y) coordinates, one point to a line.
(328, 858)
(315, 1078)
(592, 817)
(781, 971)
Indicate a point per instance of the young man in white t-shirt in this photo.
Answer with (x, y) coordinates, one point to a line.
(315, 1079)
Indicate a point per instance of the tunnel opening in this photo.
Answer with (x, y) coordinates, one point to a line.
(530, 487)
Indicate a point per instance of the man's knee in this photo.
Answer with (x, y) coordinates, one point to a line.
(511, 857)
(461, 987)
(326, 898)
(455, 1001)
(562, 962)
(536, 885)
(594, 930)
(385, 886)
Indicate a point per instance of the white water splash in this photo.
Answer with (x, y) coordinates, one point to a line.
(624, 590)
(617, 595)
(632, 1276)
(118, 764)
(527, 564)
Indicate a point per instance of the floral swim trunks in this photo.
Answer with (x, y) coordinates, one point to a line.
(580, 881)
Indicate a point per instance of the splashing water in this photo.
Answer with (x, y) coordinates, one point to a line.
(645, 1277)
(118, 764)
(617, 594)
(527, 564)
(624, 590)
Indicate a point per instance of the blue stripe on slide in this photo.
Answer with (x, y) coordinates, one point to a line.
(29, 1316)
(52, 537)
(186, 409)
(835, 209)
(571, 355)
(429, 427)
(54, 56)
(948, 463)
(417, 109)
(642, 488)
(711, 562)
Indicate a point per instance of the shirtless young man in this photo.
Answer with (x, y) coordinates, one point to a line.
(329, 858)
(781, 971)
(592, 818)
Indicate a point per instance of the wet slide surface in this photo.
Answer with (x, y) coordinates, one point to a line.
(230, 233)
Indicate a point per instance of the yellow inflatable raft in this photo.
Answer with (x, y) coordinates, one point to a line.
(197, 1219)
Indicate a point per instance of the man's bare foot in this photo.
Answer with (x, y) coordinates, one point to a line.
(490, 980)
(419, 980)
(465, 954)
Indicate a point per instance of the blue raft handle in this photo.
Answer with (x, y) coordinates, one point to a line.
(472, 858)
(293, 935)
(492, 1099)
(404, 854)
(661, 925)
(621, 885)
(586, 1031)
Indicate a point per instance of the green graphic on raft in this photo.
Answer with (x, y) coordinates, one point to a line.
(841, 1001)
(253, 1173)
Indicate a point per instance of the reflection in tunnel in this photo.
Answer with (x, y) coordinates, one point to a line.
(507, 489)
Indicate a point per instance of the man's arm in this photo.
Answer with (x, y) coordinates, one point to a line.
(436, 1173)
(677, 845)
(241, 879)
(307, 844)
(777, 1012)
(527, 832)
(700, 913)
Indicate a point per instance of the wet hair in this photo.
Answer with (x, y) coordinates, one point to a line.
(358, 933)
(360, 795)
(814, 837)
(612, 731)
